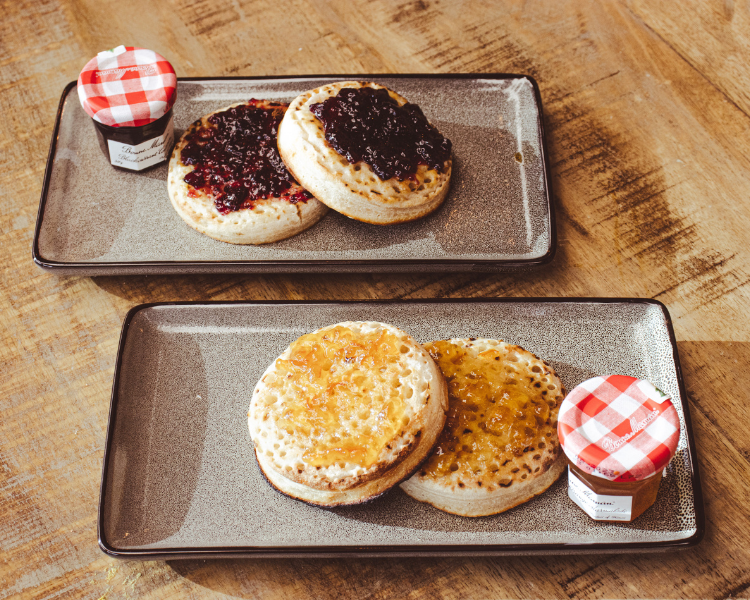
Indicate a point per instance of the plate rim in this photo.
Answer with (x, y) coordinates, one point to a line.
(405, 550)
(298, 265)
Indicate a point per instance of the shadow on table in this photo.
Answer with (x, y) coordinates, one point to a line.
(157, 438)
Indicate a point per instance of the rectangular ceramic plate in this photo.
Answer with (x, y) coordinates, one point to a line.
(97, 220)
(180, 478)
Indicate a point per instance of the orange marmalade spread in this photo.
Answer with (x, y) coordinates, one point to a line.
(494, 411)
(346, 394)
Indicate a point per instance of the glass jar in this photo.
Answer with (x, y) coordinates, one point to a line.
(618, 433)
(137, 148)
(129, 93)
(605, 500)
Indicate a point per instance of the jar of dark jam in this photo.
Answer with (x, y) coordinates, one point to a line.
(129, 93)
(618, 433)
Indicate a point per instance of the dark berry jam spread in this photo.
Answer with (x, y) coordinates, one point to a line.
(236, 159)
(366, 124)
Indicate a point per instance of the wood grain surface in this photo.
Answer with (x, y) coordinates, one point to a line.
(647, 109)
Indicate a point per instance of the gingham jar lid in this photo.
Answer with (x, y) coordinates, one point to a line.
(127, 87)
(619, 428)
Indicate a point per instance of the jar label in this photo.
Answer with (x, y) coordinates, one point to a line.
(598, 506)
(139, 157)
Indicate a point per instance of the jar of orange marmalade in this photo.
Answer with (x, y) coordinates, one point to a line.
(618, 433)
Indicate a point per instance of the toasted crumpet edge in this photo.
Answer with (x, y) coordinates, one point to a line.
(484, 506)
(367, 492)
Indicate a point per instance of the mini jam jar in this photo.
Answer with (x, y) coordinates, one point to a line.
(129, 93)
(618, 433)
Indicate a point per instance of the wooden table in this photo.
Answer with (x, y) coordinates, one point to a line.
(648, 117)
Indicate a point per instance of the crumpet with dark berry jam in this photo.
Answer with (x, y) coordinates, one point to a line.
(227, 180)
(366, 152)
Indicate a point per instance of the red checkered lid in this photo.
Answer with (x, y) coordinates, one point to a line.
(127, 87)
(619, 428)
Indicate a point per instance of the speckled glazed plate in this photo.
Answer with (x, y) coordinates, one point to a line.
(180, 478)
(97, 220)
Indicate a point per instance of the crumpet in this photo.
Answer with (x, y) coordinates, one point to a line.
(346, 412)
(499, 447)
(227, 180)
(375, 159)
